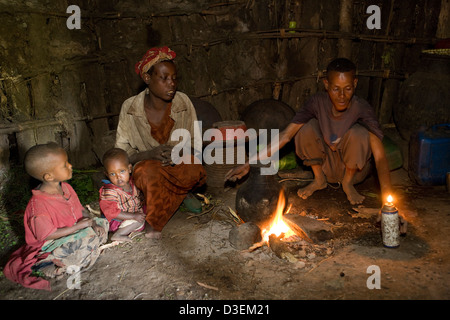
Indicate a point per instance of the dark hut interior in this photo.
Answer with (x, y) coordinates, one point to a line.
(66, 73)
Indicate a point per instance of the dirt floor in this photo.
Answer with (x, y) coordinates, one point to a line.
(195, 261)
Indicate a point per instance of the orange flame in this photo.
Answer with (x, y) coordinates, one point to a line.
(390, 200)
(278, 226)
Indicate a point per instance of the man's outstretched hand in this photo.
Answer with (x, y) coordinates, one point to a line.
(237, 173)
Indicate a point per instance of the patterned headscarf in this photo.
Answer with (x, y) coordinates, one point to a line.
(152, 57)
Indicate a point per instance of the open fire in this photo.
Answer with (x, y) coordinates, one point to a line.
(278, 226)
(279, 231)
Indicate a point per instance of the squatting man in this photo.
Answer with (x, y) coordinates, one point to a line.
(336, 133)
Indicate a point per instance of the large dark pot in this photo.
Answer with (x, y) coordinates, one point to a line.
(267, 114)
(257, 197)
(424, 97)
(206, 113)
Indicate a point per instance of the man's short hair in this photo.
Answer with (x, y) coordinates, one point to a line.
(36, 160)
(341, 65)
(115, 153)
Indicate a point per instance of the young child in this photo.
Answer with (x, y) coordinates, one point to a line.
(120, 201)
(58, 230)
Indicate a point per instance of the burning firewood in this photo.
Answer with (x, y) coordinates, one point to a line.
(298, 230)
(279, 225)
(278, 247)
(311, 230)
(255, 246)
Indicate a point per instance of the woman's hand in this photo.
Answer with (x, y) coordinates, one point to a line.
(161, 153)
(140, 217)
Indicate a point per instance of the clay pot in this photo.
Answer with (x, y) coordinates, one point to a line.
(257, 197)
(229, 129)
(215, 172)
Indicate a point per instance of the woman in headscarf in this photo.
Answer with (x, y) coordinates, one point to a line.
(146, 124)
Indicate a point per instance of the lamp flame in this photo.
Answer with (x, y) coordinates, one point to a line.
(390, 200)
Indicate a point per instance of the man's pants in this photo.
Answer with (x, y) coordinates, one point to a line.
(353, 151)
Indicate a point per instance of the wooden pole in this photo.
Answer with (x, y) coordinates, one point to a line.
(388, 97)
(4, 155)
(443, 27)
(345, 26)
(35, 124)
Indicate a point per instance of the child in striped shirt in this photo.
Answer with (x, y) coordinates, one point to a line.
(120, 201)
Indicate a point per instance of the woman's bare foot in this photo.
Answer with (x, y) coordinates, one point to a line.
(307, 191)
(352, 195)
(151, 233)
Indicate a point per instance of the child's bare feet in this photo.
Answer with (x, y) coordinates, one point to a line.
(307, 191)
(352, 195)
(52, 271)
(123, 234)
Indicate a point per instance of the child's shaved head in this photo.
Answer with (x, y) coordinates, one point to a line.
(37, 161)
(114, 154)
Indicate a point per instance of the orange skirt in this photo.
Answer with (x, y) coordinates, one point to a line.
(165, 187)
